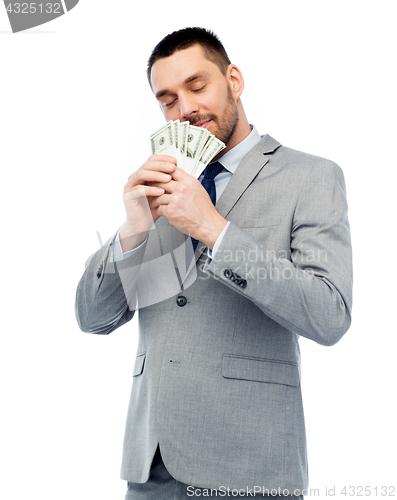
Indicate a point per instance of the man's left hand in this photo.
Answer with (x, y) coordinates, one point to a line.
(187, 206)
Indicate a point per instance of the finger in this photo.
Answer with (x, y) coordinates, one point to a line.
(179, 174)
(164, 199)
(169, 187)
(160, 163)
(162, 158)
(139, 191)
(143, 176)
(160, 210)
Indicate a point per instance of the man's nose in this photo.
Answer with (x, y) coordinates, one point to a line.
(188, 106)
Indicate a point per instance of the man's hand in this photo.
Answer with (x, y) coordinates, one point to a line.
(187, 206)
(139, 197)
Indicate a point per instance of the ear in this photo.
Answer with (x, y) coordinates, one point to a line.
(236, 80)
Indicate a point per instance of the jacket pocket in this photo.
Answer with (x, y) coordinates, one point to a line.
(260, 370)
(139, 363)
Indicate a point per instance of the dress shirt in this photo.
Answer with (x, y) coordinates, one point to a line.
(230, 161)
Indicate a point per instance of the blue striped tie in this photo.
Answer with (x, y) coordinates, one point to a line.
(208, 183)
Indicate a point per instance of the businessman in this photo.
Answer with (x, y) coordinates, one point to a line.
(226, 273)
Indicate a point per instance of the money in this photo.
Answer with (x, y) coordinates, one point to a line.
(193, 147)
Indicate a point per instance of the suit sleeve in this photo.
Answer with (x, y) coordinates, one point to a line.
(309, 293)
(103, 302)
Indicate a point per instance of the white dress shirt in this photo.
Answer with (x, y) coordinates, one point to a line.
(230, 161)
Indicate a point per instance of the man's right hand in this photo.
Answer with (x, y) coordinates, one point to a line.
(139, 199)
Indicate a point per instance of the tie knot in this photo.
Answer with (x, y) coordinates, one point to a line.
(212, 170)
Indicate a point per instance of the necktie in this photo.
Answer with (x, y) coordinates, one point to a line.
(208, 183)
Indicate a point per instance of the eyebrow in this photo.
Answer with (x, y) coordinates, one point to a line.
(189, 79)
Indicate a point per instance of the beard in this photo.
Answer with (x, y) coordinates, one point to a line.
(226, 124)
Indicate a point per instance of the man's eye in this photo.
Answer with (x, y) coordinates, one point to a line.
(168, 104)
(201, 88)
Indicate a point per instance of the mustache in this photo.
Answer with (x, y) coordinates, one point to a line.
(200, 118)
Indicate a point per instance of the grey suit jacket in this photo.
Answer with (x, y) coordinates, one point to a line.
(217, 372)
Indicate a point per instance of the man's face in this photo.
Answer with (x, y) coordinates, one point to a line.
(190, 87)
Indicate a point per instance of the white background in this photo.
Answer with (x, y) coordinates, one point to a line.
(75, 116)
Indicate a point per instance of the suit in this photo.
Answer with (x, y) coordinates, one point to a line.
(217, 372)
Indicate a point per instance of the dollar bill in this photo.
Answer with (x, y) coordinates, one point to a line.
(193, 147)
(196, 139)
(182, 136)
(162, 141)
(213, 147)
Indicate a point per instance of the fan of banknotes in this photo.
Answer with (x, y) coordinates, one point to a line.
(193, 147)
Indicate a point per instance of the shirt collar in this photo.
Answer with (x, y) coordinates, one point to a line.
(232, 158)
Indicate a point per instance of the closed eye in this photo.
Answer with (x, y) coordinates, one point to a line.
(201, 88)
(168, 104)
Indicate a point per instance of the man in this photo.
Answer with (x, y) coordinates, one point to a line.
(216, 401)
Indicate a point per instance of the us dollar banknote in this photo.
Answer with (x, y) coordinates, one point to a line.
(193, 147)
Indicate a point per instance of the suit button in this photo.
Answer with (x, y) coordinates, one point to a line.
(99, 272)
(243, 283)
(181, 301)
(228, 273)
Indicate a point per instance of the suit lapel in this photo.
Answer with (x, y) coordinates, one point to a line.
(248, 168)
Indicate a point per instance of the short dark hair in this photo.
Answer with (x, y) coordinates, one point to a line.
(185, 38)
